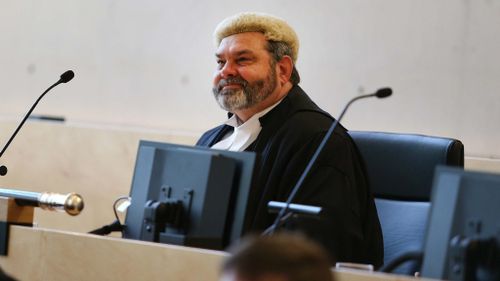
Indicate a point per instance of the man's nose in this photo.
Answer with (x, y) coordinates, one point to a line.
(229, 70)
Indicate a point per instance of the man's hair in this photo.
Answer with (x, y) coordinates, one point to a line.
(280, 49)
(290, 256)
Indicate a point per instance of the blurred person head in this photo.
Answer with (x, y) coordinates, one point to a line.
(282, 257)
(5, 277)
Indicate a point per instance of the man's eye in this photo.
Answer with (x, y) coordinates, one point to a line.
(240, 60)
(220, 63)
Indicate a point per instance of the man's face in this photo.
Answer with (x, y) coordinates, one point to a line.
(245, 74)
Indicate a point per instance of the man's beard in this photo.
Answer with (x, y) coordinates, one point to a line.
(249, 95)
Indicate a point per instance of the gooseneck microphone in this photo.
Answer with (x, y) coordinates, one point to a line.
(65, 78)
(380, 93)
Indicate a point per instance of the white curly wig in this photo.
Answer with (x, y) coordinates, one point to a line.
(273, 28)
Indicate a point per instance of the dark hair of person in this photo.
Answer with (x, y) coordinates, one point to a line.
(290, 256)
(280, 49)
(5, 277)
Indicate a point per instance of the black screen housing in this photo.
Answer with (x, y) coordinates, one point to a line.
(212, 186)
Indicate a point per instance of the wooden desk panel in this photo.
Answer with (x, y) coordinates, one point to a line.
(49, 255)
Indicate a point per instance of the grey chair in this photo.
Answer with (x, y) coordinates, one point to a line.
(400, 170)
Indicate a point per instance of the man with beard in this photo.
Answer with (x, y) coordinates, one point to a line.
(256, 81)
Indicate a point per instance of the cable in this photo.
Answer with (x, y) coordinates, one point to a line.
(114, 226)
(408, 256)
(107, 229)
(116, 202)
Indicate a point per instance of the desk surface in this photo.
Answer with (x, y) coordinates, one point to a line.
(42, 254)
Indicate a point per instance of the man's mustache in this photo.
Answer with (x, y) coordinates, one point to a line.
(233, 80)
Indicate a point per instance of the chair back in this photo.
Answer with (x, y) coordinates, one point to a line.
(400, 170)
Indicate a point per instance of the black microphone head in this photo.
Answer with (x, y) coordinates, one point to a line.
(383, 93)
(67, 76)
(3, 170)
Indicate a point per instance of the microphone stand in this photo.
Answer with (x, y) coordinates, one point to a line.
(280, 219)
(65, 77)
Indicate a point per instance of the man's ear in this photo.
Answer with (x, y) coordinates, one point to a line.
(285, 67)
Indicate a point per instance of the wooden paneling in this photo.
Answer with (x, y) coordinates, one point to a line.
(97, 163)
(48, 255)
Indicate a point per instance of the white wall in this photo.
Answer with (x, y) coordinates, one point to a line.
(149, 63)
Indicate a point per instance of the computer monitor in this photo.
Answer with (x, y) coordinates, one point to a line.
(185, 195)
(463, 233)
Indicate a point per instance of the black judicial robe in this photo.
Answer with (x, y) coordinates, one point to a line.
(291, 132)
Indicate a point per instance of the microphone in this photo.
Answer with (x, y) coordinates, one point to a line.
(70, 203)
(65, 78)
(383, 93)
(380, 93)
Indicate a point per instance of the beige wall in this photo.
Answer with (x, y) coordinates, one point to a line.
(148, 64)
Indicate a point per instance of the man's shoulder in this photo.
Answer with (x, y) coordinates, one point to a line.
(299, 119)
(306, 128)
(297, 109)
